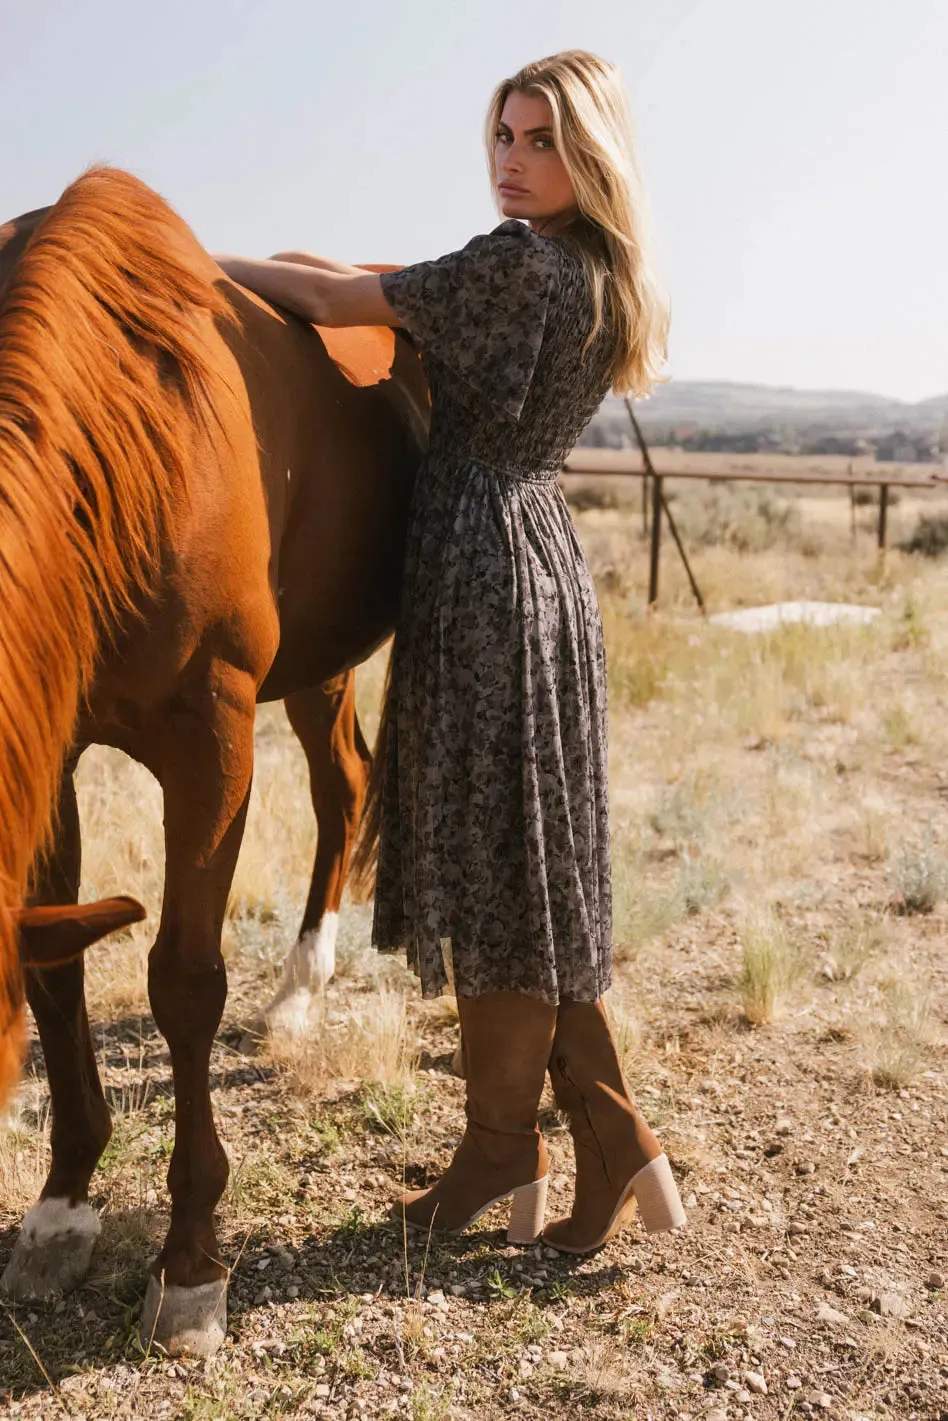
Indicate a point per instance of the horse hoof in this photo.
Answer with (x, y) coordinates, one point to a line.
(53, 1252)
(189, 1321)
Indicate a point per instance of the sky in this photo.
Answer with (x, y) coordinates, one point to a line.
(794, 151)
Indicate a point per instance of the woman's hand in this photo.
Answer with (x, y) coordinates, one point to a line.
(325, 293)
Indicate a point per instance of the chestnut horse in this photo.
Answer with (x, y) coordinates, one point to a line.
(202, 505)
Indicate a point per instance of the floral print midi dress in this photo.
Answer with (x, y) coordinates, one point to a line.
(493, 869)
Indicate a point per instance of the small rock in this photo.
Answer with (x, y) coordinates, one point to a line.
(784, 1126)
(690, 1201)
(824, 1313)
(787, 1342)
(755, 1382)
(716, 1413)
(322, 1389)
(559, 1360)
(805, 1167)
(890, 1305)
(795, 1229)
(792, 1383)
(721, 1370)
(935, 1280)
(822, 1399)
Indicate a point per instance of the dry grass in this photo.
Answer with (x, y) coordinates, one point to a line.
(24, 1157)
(794, 770)
(898, 1033)
(372, 1039)
(853, 945)
(771, 963)
(919, 874)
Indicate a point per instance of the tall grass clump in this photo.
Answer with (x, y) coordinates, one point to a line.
(771, 962)
(374, 1040)
(853, 944)
(919, 874)
(896, 1037)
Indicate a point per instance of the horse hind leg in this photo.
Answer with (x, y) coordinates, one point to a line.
(54, 1248)
(324, 719)
(206, 758)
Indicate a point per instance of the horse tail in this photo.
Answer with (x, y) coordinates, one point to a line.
(104, 362)
(366, 852)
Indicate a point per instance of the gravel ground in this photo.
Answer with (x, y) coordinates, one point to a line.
(812, 1150)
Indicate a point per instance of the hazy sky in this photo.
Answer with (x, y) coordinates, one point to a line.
(795, 153)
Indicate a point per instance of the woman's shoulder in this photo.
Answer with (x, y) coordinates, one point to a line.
(514, 240)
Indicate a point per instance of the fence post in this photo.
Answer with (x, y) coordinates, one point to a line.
(656, 539)
(883, 515)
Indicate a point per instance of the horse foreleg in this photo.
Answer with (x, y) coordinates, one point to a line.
(207, 759)
(324, 719)
(54, 1248)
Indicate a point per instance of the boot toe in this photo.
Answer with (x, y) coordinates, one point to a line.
(561, 1235)
(411, 1209)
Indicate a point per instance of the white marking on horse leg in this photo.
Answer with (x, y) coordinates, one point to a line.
(309, 966)
(54, 1249)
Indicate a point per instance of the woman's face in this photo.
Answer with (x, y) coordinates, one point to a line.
(531, 180)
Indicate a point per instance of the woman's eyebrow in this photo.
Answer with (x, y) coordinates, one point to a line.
(527, 132)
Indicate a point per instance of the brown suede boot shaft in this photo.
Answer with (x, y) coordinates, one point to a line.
(506, 1039)
(611, 1138)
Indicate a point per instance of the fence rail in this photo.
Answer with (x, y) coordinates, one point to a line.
(628, 462)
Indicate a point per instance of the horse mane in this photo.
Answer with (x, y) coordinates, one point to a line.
(103, 363)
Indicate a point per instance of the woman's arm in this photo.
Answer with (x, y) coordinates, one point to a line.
(322, 263)
(327, 295)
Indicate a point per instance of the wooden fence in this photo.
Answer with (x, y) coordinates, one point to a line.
(628, 462)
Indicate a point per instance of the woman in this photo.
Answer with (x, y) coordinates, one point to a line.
(490, 787)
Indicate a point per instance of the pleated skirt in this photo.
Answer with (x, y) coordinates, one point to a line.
(494, 865)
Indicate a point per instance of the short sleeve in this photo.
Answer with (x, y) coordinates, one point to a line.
(481, 311)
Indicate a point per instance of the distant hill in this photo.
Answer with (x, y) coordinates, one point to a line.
(722, 403)
(724, 414)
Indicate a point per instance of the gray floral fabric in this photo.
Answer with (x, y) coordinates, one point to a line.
(494, 869)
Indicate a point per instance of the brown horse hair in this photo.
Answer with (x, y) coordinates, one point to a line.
(101, 345)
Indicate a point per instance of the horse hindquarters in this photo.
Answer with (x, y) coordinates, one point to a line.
(326, 725)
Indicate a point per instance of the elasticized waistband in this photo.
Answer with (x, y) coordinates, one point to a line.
(506, 471)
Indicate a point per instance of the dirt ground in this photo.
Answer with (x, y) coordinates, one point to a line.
(780, 820)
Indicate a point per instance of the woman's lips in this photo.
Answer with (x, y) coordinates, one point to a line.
(509, 187)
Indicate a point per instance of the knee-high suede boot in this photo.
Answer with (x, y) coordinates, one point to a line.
(619, 1161)
(506, 1039)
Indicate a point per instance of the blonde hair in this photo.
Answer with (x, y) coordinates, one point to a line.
(592, 128)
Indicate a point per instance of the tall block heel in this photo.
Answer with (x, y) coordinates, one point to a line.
(527, 1212)
(656, 1195)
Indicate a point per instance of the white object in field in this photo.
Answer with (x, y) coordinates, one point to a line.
(813, 614)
